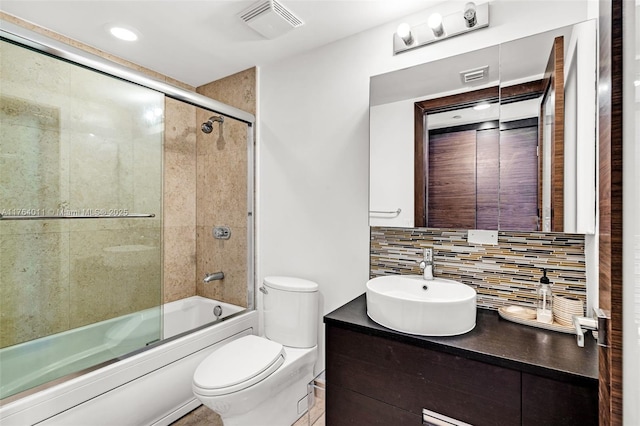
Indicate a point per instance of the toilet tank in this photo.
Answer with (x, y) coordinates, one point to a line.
(291, 311)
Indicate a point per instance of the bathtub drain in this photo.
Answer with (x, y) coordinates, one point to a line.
(217, 311)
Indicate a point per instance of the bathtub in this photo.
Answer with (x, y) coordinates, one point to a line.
(151, 387)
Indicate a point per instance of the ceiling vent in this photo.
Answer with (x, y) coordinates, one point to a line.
(475, 75)
(270, 18)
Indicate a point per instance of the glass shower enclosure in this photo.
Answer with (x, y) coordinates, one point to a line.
(108, 195)
(81, 225)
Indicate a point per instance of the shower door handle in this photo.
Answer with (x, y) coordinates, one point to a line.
(431, 418)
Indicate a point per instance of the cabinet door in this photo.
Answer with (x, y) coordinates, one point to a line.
(412, 378)
(551, 402)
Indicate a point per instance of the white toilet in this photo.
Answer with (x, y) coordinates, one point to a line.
(255, 380)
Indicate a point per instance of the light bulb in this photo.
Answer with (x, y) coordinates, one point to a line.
(435, 23)
(404, 32)
(470, 19)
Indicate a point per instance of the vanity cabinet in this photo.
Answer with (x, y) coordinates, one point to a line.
(378, 379)
(392, 374)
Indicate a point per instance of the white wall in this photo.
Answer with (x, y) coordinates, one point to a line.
(580, 139)
(314, 144)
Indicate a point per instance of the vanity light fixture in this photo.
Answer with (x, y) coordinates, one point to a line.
(438, 27)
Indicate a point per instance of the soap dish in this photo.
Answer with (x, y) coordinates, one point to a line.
(521, 315)
(520, 312)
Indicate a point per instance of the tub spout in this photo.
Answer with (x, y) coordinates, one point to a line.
(213, 277)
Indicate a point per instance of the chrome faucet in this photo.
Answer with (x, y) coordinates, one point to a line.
(213, 277)
(426, 265)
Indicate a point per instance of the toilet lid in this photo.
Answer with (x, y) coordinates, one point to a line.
(291, 284)
(238, 365)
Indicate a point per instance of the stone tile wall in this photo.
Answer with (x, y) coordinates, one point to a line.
(179, 197)
(221, 195)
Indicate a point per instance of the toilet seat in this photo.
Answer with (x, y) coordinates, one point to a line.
(238, 365)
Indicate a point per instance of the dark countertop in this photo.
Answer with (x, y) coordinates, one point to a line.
(494, 340)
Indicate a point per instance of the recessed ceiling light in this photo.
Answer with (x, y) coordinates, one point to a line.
(481, 106)
(123, 33)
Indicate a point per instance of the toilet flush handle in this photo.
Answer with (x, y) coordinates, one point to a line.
(264, 290)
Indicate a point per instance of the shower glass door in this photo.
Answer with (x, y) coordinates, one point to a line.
(81, 205)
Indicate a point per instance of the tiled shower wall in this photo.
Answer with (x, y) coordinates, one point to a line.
(221, 195)
(502, 274)
(205, 185)
(179, 196)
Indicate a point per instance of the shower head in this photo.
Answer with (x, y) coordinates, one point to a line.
(207, 127)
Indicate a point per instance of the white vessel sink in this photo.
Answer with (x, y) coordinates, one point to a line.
(411, 304)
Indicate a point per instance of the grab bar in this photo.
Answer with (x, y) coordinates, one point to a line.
(35, 217)
(395, 212)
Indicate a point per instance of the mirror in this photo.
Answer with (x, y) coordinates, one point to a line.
(526, 162)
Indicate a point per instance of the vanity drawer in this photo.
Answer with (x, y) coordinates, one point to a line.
(412, 378)
(348, 408)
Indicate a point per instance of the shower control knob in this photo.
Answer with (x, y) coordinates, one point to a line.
(221, 232)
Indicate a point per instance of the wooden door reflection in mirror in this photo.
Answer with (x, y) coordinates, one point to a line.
(435, 195)
(551, 160)
(519, 175)
(482, 175)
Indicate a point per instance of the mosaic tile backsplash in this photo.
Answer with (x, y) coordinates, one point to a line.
(503, 274)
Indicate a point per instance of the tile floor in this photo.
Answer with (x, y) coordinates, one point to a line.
(203, 416)
(315, 415)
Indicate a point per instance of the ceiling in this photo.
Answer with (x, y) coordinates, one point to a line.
(197, 42)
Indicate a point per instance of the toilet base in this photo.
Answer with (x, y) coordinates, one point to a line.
(280, 410)
(274, 400)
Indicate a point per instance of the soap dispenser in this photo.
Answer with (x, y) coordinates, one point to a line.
(545, 300)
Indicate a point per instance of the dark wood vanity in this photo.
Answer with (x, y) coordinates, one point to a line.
(500, 373)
